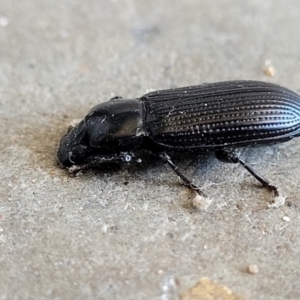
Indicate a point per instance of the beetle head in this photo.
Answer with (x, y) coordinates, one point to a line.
(74, 147)
(108, 129)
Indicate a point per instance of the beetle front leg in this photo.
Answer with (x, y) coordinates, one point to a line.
(120, 158)
(96, 160)
(167, 159)
(232, 157)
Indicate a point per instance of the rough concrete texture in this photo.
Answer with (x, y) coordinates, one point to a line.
(132, 233)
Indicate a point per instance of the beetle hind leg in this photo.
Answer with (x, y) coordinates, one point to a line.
(187, 182)
(231, 157)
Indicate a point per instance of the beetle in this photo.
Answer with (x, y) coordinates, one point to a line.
(215, 117)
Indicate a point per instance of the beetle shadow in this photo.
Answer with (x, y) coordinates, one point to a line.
(152, 166)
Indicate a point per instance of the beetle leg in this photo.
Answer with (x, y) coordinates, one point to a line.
(232, 157)
(96, 160)
(122, 157)
(187, 182)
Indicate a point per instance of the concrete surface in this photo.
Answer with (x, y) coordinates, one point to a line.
(97, 237)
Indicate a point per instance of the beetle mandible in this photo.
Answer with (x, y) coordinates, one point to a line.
(215, 117)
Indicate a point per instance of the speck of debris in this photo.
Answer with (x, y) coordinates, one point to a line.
(269, 69)
(278, 201)
(207, 289)
(239, 206)
(252, 269)
(201, 202)
(169, 288)
(286, 219)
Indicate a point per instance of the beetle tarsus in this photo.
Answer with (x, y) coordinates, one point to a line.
(232, 157)
(187, 182)
(272, 188)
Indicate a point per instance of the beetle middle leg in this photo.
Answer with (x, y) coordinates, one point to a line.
(232, 157)
(187, 182)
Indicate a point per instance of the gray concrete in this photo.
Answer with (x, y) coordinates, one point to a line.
(94, 237)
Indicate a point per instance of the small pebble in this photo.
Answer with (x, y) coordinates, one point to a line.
(286, 219)
(253, 269)
(270, 71)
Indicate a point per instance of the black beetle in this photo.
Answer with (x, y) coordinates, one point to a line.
(210, 117)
